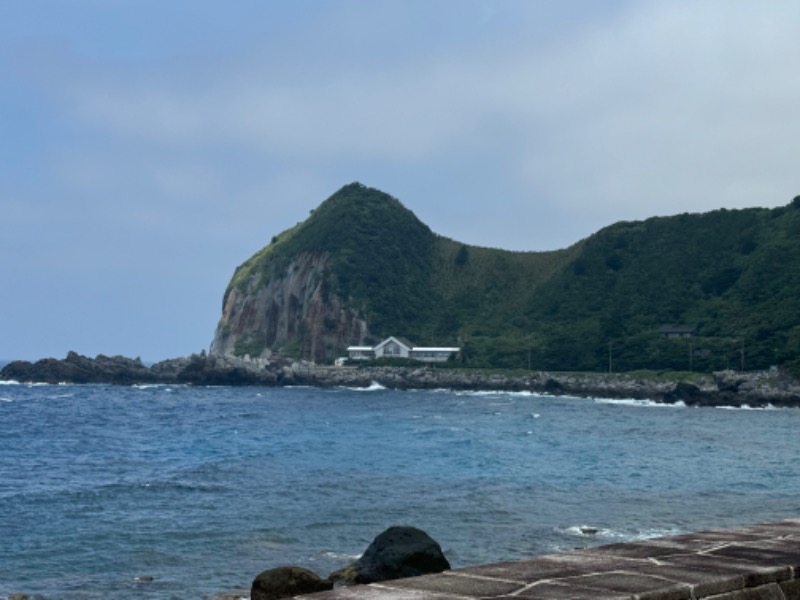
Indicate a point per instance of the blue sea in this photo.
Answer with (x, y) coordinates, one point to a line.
(160, 492)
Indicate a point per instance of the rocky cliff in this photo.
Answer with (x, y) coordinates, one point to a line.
(296, 310)
(356, 270)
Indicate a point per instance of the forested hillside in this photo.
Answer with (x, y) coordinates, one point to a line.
(732, 276)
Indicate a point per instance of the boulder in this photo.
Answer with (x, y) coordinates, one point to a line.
(396, 553)
(688, 393)
(286, 582)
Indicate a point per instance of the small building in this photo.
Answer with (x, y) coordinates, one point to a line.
(397, 347)
(676, 331)
(393, 347)
(361, 352)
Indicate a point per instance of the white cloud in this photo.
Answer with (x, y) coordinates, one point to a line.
(676, 108)
(664, 107)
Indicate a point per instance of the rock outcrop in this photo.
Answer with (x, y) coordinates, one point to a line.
(287, 582)
(76, 368)
(723, 388)
(297, 307)
(197, 369)
(396, 553)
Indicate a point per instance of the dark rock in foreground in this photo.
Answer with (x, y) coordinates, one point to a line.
(397, 553)
(724, 388)
(287, 582)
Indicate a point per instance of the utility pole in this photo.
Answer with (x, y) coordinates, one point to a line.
(742, 355)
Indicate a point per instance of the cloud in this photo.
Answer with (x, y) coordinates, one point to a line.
(677, 107)
(653, 108)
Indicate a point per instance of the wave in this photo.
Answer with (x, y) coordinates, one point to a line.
(621, 535)
(8, 382)
(583, 530)
(520, 393)
(338, 556)
(639, 402)
(748, 407)
(372, 387)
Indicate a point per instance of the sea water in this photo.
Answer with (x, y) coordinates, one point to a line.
(185, 492)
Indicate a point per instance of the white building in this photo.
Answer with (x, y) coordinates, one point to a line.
(393, 347)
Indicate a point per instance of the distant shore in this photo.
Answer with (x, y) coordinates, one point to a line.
(723, 388)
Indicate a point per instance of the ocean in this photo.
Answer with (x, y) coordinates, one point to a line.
(167, 492)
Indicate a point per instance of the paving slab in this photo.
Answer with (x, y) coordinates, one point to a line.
(621, 581)
(377, 592)
(647, 548)
(704, 582)
(762, 554)
(557, 591)
(555, 566)
(752, 574)
(459, 584)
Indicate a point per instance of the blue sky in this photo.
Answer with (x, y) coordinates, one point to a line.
(149, 147)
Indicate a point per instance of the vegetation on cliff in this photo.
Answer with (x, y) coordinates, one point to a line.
(733, 276)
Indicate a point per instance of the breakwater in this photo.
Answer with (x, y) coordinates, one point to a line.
(759, 562)
(723, 388)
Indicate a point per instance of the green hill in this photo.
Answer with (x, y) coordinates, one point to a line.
(733, 276)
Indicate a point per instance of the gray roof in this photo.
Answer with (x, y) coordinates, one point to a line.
(675, 329)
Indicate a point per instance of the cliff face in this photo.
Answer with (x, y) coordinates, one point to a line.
(296, 311)
(357, 269)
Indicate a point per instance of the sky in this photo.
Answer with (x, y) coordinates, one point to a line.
(148, 147)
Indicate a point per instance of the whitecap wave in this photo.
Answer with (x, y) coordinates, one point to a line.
(339, 556)
(372, 387)
(638, 402)
(748, 407)
(619, 535)
(584, 530)
(8, 382)
(504, 393)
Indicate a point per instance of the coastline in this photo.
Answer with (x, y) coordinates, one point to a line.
(760, 389)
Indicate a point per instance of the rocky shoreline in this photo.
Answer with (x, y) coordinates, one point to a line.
(723, 388)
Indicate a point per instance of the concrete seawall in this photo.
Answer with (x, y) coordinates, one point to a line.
(760, 562)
